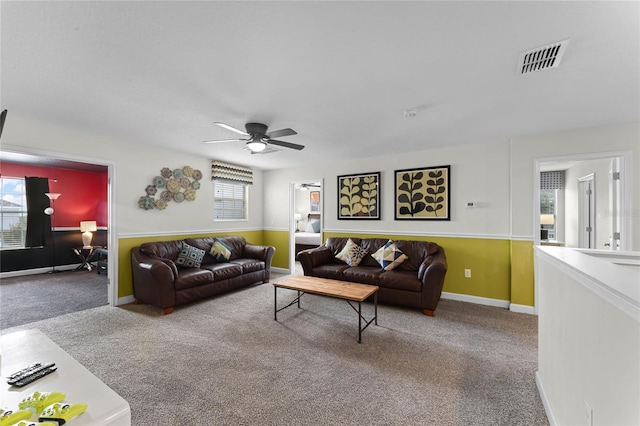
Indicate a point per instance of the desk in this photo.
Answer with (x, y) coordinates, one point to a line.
(26, 347)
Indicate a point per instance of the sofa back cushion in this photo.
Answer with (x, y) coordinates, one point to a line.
(235, 243)
(416, 251)
(162, 249)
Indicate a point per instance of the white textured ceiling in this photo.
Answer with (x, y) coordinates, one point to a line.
(339, 73)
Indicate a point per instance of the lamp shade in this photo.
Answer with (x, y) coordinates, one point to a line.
(546, 219)
(88, 226)
(52, 195)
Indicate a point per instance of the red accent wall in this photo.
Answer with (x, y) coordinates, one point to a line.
(84, 194)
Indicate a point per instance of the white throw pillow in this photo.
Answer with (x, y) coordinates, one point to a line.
(352, 254)
(389, 256)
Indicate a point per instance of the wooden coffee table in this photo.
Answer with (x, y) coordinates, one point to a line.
(351, 292)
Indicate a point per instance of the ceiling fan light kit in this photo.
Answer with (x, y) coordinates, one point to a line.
(258, 139)
(256, 146)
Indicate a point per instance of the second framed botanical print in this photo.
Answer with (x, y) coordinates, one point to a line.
(359, 196)
(422, 193)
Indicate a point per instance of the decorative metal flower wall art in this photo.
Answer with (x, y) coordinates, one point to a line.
(359, 196)
(174, 185)
(422, 193)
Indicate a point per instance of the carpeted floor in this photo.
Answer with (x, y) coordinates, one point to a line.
(32, 298)
(226, 361)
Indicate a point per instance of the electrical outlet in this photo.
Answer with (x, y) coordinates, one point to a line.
(467, 273)
(588, 414)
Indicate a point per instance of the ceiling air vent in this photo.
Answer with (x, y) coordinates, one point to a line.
(542, 58)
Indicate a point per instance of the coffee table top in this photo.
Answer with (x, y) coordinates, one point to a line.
(326, 287)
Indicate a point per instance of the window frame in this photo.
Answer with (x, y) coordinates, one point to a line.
(21, 212)
(233, 186)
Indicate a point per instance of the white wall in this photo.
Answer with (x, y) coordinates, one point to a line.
(526, 149)
(136, 166)
(479, 173)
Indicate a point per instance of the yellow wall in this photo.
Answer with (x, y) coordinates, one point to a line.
(125, 279)
(500, 269)
(488, 259)
(522, 273)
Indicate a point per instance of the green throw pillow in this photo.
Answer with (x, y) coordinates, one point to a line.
(220, 251)
(352, 254)
(189, 256)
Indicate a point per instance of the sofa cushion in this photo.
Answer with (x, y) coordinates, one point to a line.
(162, 249)
(400, 280)
(220, 251)
(223, 271)
(352, 253)
(389, 256)
(193, 277)
(362, 274)
(250, 265)
(189, 256)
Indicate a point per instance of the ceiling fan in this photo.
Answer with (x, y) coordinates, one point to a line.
(257, 138)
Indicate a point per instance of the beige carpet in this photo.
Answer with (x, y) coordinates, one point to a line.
(226, 361)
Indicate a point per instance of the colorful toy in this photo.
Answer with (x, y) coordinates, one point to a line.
(38, 401)
(9, 417)
(28, 423)
(61, 412)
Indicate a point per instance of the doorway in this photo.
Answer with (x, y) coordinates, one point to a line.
(37, 158)
(609, 229)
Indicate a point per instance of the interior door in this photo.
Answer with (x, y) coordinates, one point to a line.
(614, 204)
(586, 209)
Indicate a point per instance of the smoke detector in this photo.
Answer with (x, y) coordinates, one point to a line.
(542, 58)
(410, 113)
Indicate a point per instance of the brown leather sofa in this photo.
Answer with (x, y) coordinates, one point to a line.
(416, 283)
(159, 281)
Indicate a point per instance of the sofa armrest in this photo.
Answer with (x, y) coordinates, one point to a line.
(153, 279)
(434, 269)
(264, 253)
(311, 258)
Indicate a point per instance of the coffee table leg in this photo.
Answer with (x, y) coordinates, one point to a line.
(359, 322)
(375, 306)
(298, 299)
(275, 303)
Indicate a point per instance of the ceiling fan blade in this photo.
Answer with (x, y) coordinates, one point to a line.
(233, 129)
(285, 144)
(280, 133)
(226, 140)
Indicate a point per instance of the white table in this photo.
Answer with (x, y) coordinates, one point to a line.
(22, 348)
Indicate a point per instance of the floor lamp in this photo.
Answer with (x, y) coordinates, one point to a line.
(53, 196)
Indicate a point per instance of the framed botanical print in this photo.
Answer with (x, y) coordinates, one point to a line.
(422, 194)
(359, 196)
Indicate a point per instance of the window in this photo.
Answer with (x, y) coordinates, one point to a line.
(548, 202)
(13, 212)
(229, 200)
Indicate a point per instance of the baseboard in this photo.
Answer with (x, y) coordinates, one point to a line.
(522, 309)
(37, 271)
(280, 270)
(476, 299)
(125, 300)
(545, 401)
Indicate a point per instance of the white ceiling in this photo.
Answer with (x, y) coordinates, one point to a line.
(339, 73)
